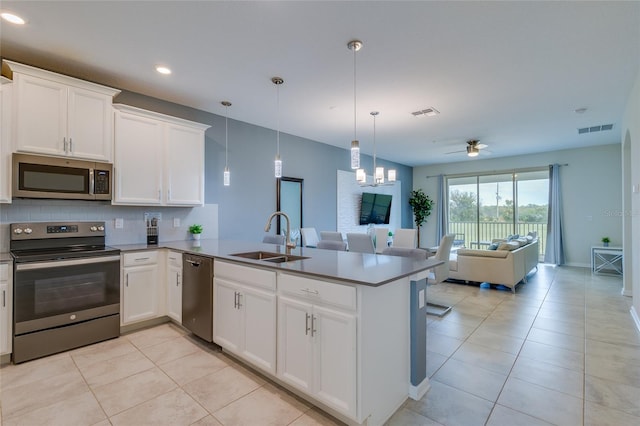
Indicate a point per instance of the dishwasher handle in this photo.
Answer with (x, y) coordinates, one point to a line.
(192, 262)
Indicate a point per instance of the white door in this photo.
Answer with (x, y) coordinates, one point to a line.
(138, 160)
(259, 310)
(40, 115)
(227, 327)
(174, 292)
(90, 125)
(140, 298)
(334, 336)
(184, 171)
(294, 343)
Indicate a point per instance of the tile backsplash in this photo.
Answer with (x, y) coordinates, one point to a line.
(133, 229)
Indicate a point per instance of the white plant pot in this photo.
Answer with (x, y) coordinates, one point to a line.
(196, 236)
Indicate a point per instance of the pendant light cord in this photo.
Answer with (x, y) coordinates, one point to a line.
(354, 95)
(278, 119)
(374, 142)
(226, 137)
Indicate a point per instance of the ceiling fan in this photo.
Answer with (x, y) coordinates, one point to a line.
(473, 148)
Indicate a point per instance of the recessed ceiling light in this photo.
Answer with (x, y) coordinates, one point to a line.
(580, 110)
(10, 17)
(163, 70)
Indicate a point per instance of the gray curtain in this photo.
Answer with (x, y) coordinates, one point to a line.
(554, 251)
(441, 218)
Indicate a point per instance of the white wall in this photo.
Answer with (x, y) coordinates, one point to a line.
(631, 130)
(591, 193)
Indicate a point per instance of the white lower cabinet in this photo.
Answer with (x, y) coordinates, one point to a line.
(317, 341)
(6, 303)
(140, 286)
(244, 313)
(174, 285)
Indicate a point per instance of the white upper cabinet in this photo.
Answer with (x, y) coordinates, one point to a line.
(59, 115)
(5, 139)
(159, 160)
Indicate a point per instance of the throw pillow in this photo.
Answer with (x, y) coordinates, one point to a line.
(508, 246)
(493, 246)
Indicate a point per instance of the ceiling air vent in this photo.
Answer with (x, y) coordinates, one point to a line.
(593, 129)
(429, 112)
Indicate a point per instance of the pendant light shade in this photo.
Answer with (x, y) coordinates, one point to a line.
(277, 163)
(226, 177)
(355, 45)
(391, 175)
(361, 176)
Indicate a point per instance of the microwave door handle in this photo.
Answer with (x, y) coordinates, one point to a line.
(92, 181)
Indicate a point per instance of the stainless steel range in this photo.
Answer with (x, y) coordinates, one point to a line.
(66, 287)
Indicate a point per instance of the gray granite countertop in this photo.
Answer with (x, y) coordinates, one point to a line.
(356, 268)
(5, 256)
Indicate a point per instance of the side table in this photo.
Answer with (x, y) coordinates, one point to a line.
(606, 260)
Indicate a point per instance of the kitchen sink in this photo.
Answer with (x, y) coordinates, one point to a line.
(269, 256)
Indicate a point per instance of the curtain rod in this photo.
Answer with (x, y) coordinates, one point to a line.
(490, 172)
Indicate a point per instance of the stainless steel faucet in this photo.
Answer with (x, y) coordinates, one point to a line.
(288, 242)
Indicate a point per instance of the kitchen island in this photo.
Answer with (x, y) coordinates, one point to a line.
(334, 327)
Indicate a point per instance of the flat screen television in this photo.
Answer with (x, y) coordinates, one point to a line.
(375, 208)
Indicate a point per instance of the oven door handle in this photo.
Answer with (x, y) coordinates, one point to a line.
(60, 263)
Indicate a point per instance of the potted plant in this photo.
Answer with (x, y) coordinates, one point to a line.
(195, 231)
(422, 206)
(605, 241)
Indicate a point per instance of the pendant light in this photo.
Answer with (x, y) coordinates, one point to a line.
(354, 45)
(378, 172)
(227, 173)
(277, 162)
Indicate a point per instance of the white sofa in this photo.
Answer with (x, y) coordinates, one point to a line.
(505, 267)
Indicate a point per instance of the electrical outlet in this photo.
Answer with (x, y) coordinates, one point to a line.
(421, 299)
(119, 223)
(176, 222)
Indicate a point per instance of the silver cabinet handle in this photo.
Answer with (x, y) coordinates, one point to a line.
(306, 324)
(126, 280)
(64, 142)
(313, 325)
(140, 259)
(239, 300)
(235, 300)
(4, 298)
(70, 145)
(159, 194)
(306, 290)
(177, 280)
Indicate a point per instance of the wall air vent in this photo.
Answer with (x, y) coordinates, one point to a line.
(429, 112)
(593, 129)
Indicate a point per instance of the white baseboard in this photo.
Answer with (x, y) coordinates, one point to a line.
(417, 392)
(635, 317)
(578, 265)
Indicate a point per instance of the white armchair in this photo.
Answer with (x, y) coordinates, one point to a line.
(381, 239)
(331, 236)
(440, 273)
(332, 245)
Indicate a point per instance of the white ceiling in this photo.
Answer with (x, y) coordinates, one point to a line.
(508, 73)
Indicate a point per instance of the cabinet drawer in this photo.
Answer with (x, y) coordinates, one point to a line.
(4, 272)
(140, 258)
(248, 275)
(330, 293)
(174, 258)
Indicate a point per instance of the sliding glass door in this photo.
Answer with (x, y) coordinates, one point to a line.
(484, 207)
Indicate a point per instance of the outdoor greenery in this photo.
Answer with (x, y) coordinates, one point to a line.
(463, 208)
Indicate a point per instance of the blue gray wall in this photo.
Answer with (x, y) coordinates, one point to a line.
(244, 206)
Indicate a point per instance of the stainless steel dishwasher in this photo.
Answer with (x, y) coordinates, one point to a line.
(197, 295)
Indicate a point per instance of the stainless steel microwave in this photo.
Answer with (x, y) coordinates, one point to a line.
(38, 176)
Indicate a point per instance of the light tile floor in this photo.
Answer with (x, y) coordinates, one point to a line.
(562, 350)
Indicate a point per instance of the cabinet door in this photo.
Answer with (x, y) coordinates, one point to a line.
(90, 125)
(184, 172)
(5, 315)
(138, 160)
(40, 115)
(140, 293)
(5, 141)
(174, 292)
(227, 327)
(259, 310)
(294, 343)
(334, 336)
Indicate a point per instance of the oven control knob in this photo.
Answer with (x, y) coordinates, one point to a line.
(93, 228)
(100, 228)
(17, 231)
(28, 230)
